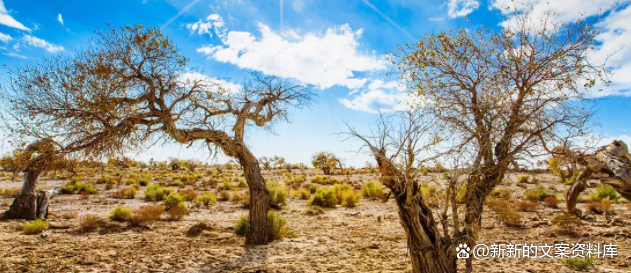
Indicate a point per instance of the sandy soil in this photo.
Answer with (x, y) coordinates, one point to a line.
(367, 238)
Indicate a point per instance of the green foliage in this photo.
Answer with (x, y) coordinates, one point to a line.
(177, 184)
(76, 187)
(104, 179)
(143, 182)
(537, 194)
(314, 210)
(224, 195)
(461, 194)
(241, 227)
(313, 188)
(324, 180)
(157, 193)
(510, 217)
(303, 194)
(323, 197)
(173, 200)
(242, 183)
(372, 190)
(206, 199)
(276, 227)
(338, 190)
(605, 192)
(350, 198)
(523, 178)
(427, 191)
(566, 223)
(35, 227)
(277, 195)
(579, 264)
(120, 214)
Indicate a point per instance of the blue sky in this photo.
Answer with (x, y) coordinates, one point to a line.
(338, 46)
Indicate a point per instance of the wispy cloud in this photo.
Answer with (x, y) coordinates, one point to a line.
(41, 43)
(7, 20)
(182, 11)
(5, 38)
(60, 19)
(392, 22)
(460, 8)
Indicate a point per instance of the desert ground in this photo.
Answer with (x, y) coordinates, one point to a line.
(366, 238)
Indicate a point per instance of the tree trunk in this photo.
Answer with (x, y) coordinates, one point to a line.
(257, 228)
(24, 205)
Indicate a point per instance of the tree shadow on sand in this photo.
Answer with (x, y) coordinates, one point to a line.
(253, 260)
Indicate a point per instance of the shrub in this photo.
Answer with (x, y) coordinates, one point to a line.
(177, 212)
(75, 187)
(173, 200)
(579, 264)
(224, 196)
(509, 217)
(527, 206)
(324, 180)
(324, 197)
(537, 194)
(350, 198)
(241, 227)
(276, 227)
(303, 194)
(523, 178)
(109, 186)
(188, 194)
(9, 193)
(147, 214)
(35, 227)
(143, 182)
(313, 188)
(599, 206)
(605, 192)
(427, 191)
(462, 191)
(551, 201)
(277, 195)
(104, 179)
(236, 197)
(314, 210)
(206, 199)
(242, 183)
(157, 192)
(177, 184)
(372, 190)
(120, 214)
(129, 193)
(566, 223)
(338, 190)
(90, 222)
(226, 185)
(497, 205)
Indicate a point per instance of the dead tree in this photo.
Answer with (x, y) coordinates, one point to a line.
(132, 87)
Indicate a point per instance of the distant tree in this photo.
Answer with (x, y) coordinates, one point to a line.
(266, 163)
(14, 163)
(131, 87)
(325, 161)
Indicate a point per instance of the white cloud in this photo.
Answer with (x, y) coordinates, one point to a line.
(5, 38)
(380, 96)
(60, 19)
(213, 23)
(7, 20)
(37, 42)
(323, 60)
(214, 84)
(460, 8)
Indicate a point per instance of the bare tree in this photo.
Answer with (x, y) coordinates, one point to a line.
(505, 94)
(132, 87)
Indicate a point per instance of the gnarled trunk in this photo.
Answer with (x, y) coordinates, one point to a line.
(24, 205)
(257, 229)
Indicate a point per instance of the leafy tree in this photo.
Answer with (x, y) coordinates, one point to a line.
(325, 161)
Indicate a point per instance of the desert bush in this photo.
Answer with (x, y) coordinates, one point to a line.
(372, 190)
(35, 227)
(147, 214)
(177, 212)
(277, 195)
(176, 184)
(128, 193)
(324, 180)
(509, 217)
(500, 193)
(173, 200)
(526, 206)
(551, 201)
(90, 222)
(245, 202)
(75, 187)
(206, 199)
(523, 178)
(566, 223)
(579, 264)
(242, 183)
(427, 191)
(9, 193)
(314, 210)
(143, 182)
(537, 194)
(157, 192)
(84, 195)
(303, 194)
(67, 215)
(350, 198)
(236, 197)
(338, 190)
(109, 186)
(605, 192)
(188, 194)
(224, 195)
(324, 197)
(120, 214)
(104, 179)
(599, 206)
(497, 204)
(313, 188)
(276, 227)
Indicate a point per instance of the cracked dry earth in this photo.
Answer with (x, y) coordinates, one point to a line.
(367, 238)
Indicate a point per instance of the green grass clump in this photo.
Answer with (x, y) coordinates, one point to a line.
(104, 179)
(173, 200)
(324, 180)
(338, 190)
(510, 217)
(313, 188)
(157, 193)
(537, 194)
(241, 227)
(242, 183)
(324, 197)
(523, 178)
(276, 227)
(207, 199)
(579, 264)
(120, 214)
(350, 198)
(303, 194)
(76, 187)
(372, 190)
(605, 192)
(277, 195)
(35, 227)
